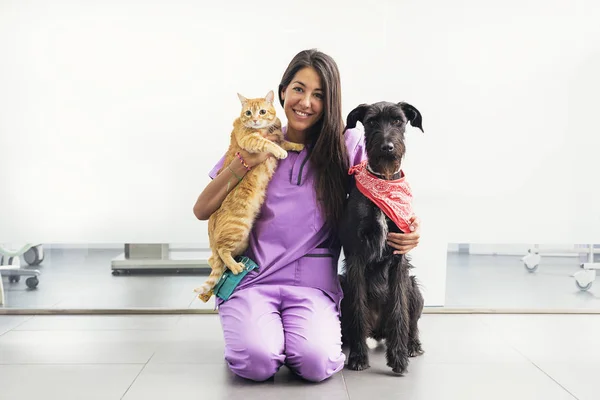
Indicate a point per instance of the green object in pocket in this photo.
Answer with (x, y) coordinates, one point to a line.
(228, 282)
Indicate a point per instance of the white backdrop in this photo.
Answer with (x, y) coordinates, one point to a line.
(112, 112)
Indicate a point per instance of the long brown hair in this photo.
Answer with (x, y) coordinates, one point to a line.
(327, 146)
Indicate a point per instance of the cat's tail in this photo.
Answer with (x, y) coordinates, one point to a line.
(205, 291)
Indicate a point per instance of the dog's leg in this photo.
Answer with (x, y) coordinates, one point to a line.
(398, 326)
(416, 303)
(356, 316)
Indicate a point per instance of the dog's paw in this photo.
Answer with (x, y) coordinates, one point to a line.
(399, 369)
(398, 364)
(415, 349)
(358, 363)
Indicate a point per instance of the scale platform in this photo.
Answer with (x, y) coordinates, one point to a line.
(159, 258)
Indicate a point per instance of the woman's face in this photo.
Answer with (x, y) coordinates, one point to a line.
(303, 100)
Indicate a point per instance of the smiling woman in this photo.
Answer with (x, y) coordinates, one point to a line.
(303, 103)
(287, 310)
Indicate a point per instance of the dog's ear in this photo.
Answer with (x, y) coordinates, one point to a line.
(413, 115)
(356, 115)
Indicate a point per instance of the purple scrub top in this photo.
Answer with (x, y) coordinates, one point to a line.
(289, 240)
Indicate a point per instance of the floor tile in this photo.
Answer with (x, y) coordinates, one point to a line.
(66, 382)
(194, 339)
(216, 382)
(463, 339)
(550, 338)
(8, 322)
(95, 322)
(429, 381)
(580, 379)
(79, 347)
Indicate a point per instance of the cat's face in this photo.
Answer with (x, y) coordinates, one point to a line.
(258, 113)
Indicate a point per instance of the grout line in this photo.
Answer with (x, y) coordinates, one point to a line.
(137, 376)
(554, 380)
(16, 326)
(70, 363)
(541, 370)
(345, 385)
(510, 343)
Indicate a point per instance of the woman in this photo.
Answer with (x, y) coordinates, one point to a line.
(287, 312)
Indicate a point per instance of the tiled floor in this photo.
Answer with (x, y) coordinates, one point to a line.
(180, 357)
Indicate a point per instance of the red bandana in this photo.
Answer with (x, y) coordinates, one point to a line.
(394, 198)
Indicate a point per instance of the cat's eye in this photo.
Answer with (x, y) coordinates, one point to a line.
(248, 113)
(263, 112)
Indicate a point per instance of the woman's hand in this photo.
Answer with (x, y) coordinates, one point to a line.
(405, 242)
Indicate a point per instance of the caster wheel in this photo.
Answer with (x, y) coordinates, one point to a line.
(14, 278)
(33, 256)
(531, 261)
(531, 268)
(32, 282)
(584, 287)
(116, 272)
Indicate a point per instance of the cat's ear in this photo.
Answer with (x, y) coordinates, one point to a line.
(242, 99)
(270, 96)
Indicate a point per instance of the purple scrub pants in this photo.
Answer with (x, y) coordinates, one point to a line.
(267, 326)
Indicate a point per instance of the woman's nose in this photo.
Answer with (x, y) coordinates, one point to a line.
(306, 101)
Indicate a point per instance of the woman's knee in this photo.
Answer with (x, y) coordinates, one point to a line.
(316, 363)
(255, 361)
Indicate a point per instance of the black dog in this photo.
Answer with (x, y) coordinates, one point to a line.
(381, 300)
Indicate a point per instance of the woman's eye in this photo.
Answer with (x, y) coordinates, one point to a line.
(297, 89)
(319, 95)
(248, 113)
(263, 112)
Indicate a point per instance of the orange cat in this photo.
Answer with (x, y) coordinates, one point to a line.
(229, 227)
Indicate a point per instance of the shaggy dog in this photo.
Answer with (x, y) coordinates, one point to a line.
(381, 300)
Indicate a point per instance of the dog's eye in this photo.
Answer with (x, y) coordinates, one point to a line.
(371, 122)
(397, 122)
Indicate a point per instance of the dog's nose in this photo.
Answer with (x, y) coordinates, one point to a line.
(389, 147)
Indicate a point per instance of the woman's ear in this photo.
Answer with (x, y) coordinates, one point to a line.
(282, 94)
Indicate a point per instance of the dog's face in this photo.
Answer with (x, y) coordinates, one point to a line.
(385, 124)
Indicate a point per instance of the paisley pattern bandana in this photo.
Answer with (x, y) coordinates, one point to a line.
(393, 197)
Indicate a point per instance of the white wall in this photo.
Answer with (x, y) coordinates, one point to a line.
(112, 112)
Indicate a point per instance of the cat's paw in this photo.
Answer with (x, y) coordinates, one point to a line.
(280, 153)
(204, 293)
(237, 268)
(205, 297)
(291, 146)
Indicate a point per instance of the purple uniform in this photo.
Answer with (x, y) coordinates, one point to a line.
(288, 310)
